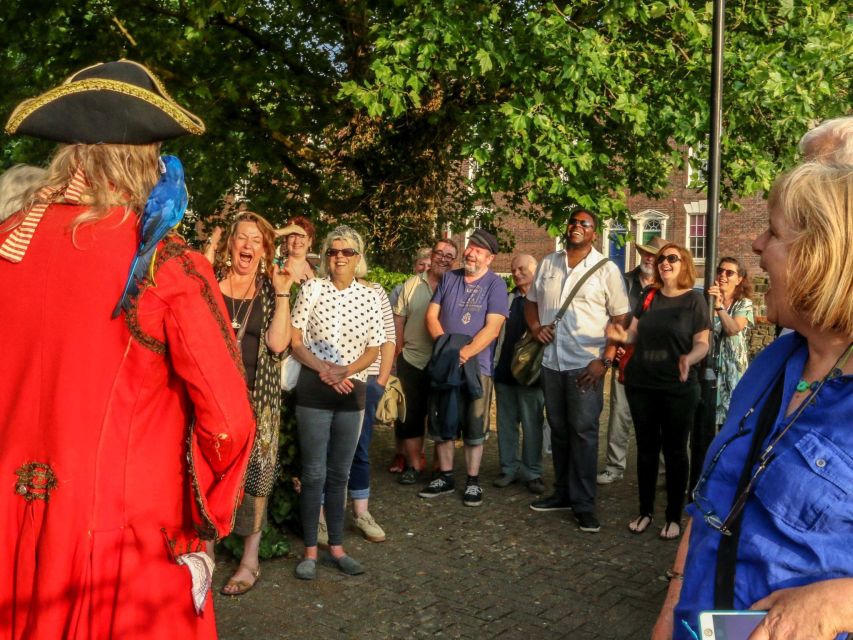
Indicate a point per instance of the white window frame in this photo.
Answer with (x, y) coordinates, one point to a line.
(640, 220)
(695, 208)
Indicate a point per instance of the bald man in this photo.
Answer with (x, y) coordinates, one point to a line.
(831, 142)
(517, 405)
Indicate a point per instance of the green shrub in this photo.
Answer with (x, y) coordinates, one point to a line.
(388, 279)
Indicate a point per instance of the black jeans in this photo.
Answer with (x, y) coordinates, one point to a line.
(663, 420)
(573, 414)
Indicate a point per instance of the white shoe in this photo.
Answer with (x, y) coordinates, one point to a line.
(607, 477)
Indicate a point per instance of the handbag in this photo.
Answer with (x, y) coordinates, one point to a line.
(527, 353)
(290, 366)
(629, 348)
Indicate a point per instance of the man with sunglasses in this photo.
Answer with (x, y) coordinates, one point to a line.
(620, 424)
(414, 348)
(575, 360)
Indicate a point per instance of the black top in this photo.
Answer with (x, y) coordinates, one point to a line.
(313, 393)
(514, 328)
(664, 333)
(251, 343)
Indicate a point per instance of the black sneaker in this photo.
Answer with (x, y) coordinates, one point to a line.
(588, 522)
(473, 496)
(409, 476)
(551, 503)
(437, 487)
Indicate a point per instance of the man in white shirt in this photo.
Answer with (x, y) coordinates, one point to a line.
(575, 360)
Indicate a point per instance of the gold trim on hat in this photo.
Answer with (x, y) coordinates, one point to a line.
(190, 122)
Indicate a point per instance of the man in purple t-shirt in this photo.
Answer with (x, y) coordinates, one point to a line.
(471, 301)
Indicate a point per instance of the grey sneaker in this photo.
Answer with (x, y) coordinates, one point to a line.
(307, 569)
(607, 477)
(473, 496)
(345, 564)
(438, 487)
(536, 486)
(368, 527)
(504, 480)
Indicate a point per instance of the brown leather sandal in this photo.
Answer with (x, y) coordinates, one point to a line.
(242, 585)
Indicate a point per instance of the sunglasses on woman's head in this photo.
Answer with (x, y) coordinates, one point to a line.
(729, 273)
(347, 252)
(671, 258)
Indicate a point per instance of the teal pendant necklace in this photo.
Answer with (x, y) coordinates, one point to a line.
(804, 385)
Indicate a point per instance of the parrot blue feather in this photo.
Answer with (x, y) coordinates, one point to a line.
(163, 212)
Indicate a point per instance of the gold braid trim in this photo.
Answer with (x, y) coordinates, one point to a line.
(184, 118)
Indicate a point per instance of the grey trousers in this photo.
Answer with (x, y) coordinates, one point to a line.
(619, 426)
(327, 440)
(524, 407)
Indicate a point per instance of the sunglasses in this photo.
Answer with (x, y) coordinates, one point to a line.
(586, 224)
(297, 235)
(729, 273)
(671, 258)
(443, 256)
(347, 253)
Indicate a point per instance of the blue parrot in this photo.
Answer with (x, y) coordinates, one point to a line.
(163, 212)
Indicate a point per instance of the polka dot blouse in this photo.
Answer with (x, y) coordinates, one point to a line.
(338, 326)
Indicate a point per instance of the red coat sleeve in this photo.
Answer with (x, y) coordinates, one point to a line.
(201, 348)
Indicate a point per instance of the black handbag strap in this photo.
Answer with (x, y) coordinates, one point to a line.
(724, 579)
(577, 288)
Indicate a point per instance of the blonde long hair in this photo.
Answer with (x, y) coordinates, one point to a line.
(118, 174)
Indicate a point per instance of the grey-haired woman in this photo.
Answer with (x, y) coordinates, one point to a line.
(337, 331)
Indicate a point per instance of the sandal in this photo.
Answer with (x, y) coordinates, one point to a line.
(640, 524)
(242, 585)
(670, 531)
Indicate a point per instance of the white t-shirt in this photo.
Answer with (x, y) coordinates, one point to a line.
(579, 337)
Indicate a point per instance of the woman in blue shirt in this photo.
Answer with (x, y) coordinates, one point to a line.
(772, 516)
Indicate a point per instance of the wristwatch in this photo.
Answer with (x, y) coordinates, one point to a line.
(608, 362)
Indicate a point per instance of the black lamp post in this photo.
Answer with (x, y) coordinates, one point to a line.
(704, 427)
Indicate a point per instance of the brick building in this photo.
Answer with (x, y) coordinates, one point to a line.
(679, 216)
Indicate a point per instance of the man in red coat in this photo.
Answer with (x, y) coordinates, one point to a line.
(123, 442)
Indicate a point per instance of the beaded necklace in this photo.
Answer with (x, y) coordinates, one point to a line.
(804, 385)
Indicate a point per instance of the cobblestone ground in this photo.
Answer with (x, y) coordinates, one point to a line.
(450, 571)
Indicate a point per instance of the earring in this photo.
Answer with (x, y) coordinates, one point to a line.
(263, 264)
(228, 262)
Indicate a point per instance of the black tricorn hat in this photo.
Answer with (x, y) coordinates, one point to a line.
(118, 102)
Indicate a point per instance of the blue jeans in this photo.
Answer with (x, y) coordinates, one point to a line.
(327, 440)
(525, 405)
(573, 414)
(359, 473)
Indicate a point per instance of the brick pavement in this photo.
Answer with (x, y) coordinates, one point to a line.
(450, 571)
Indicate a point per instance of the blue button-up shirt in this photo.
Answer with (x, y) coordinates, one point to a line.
(797, 525)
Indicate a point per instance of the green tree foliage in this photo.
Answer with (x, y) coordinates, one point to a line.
(365, 111)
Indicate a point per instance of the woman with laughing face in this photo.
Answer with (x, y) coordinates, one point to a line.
(257, 296)
(337, 331)
(772, 512)
(670, 332)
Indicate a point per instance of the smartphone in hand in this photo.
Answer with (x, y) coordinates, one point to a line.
(729, 625)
